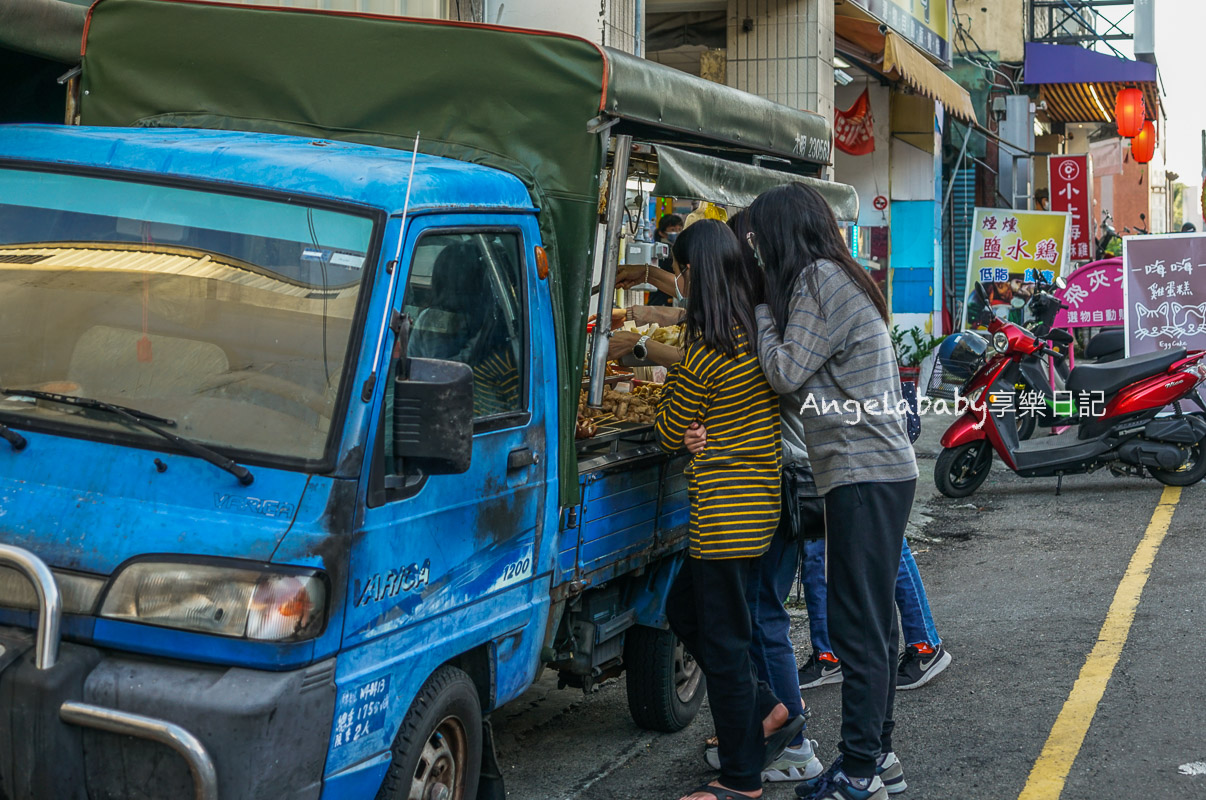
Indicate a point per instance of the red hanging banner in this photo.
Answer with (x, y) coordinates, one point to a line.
(852, 129)
(1071, 182)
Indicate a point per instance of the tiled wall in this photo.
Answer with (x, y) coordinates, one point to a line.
(787, 53)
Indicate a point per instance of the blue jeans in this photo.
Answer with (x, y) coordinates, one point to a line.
(770, 647)
(916, 620)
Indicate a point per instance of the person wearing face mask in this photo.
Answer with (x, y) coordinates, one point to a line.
(669, 280)
(669, 226)
(823, 340)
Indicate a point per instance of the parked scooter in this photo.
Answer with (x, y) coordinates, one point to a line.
(1108, 235)
(1126, 436)
(1037, 373)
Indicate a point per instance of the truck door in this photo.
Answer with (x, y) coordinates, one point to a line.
(468, 543)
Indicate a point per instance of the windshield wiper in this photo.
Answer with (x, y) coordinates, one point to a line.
(86, 402)
(142, 419)
(12, 437)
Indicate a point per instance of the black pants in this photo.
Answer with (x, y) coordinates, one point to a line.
(707, 610)
(865, 524)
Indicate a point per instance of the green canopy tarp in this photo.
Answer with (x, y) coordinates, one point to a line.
(692, 176)
(521, 101)
(39, 40)
(48, 29)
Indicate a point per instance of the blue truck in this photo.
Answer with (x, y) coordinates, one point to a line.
(290, 495)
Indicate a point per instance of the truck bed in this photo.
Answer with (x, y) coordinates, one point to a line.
(633, 510)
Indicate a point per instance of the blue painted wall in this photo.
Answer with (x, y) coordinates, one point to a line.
(914, 233)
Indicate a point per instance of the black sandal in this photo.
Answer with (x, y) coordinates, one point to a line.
(721, 793)
(714, 741)
(780, 739)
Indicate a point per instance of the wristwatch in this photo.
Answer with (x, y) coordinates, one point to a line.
(639, 349)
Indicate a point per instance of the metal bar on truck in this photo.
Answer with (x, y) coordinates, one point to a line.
(50, 605)
(611, 256)
(200, 764)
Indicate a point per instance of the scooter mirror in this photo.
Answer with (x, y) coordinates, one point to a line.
(1060, 283)
(980, 293)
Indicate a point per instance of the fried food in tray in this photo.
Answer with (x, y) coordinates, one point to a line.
(638, 406)
(667, 334)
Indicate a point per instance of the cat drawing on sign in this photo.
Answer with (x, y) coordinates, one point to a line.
(1188, 320)
(1151, 321)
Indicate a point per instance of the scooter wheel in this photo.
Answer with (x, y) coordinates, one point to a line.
(961, 470)
(1027, 423)
(1193, 471)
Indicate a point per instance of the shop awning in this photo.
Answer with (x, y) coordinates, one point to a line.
(1080, 85)
(906, 62)
(880, 50)
(692, 176)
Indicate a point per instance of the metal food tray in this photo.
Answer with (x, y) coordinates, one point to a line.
(610, 436)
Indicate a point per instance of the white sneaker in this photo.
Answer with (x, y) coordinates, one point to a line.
(888, 768)
(793, 764)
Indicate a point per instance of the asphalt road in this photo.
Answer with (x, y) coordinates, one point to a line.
(1020, 582)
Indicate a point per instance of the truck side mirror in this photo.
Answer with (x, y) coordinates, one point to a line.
(433, 416)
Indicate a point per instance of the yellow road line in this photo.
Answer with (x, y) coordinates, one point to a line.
(1047, 778)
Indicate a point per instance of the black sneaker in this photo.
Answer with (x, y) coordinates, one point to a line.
(819, 671)
(917, 668)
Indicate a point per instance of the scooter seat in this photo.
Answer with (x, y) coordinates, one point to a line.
(1106, 346)
(1109, 378)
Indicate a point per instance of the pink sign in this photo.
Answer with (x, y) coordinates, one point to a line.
(1070, 178)
(1095, 295)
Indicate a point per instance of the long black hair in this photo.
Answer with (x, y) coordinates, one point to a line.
(723, 290)
(739, 223)
(794, 228)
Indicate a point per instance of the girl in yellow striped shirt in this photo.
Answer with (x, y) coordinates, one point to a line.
(734, 491)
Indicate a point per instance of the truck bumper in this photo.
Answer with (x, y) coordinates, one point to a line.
(263, 734)
(80, 722)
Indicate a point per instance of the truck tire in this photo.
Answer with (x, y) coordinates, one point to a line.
(438, 749)
(665, 685)
(1193, 471)
(960, 470)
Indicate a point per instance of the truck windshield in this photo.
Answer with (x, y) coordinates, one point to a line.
(230, 315)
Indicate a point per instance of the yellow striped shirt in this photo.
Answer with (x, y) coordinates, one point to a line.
(733, 484)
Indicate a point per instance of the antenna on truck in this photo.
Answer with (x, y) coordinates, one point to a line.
(366, 393)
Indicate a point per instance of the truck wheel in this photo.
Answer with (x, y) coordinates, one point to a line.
(1193, 471)
(959, 471)
(665, 685)
(437, 754)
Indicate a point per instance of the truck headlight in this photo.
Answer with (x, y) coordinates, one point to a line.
(269, 604)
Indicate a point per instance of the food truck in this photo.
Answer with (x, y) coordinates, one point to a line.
(293, 321)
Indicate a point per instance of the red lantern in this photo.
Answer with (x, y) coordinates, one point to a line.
(1143, 146)
(1130, 111)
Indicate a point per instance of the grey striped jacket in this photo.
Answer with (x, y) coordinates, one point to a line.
(836, 368)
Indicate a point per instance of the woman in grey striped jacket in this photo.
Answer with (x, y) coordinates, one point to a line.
(824, 347)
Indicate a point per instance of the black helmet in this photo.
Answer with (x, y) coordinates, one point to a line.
(961, 354)
(1189, 227)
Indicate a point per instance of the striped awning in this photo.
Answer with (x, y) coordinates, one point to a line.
(1091, 102)
(1080, 85)
(904, 61)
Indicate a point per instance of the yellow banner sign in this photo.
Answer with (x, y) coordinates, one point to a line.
(1007, 248)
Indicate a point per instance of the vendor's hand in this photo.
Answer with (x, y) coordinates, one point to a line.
(696, 438)
(662, 315)
(630, 275)
(618, 316)
(621, 344)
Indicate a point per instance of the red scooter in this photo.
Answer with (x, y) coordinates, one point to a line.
(1124, 434)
